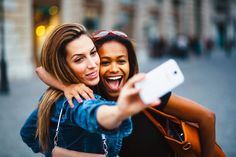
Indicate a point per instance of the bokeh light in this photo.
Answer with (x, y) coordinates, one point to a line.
(40, 30)
(53, 10)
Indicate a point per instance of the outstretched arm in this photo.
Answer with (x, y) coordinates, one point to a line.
(128, 104)
(70, 91)
(193, 112)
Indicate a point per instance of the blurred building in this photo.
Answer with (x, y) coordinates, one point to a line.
(28, 22)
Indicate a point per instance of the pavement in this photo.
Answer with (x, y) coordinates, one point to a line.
(208, 80)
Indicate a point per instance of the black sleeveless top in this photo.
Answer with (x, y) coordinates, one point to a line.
(145, 140)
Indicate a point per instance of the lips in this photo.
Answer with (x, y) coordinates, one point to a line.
(92, 75)
(113, 82)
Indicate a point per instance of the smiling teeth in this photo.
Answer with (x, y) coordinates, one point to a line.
(114, 78)
(93, 74)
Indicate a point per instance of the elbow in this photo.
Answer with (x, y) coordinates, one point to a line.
(38, 69)
(26, 134)
(23, 134)
(29, 140)
(209, 119)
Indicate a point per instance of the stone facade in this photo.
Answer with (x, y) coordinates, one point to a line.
(18, 38)
(140, 19)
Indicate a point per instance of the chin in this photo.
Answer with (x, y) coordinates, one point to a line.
(93, 83)
(113, 95)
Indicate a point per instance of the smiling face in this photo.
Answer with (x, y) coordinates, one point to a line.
(83, 59)
(114, 67)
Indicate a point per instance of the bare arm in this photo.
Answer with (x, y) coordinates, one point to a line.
(70, 91)
(193, 112)
(49, 79)
(128, 104)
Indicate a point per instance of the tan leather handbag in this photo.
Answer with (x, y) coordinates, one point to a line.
(62, 152)
(183, 137)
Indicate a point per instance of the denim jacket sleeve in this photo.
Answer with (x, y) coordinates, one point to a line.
(84, 116)
(28, 132)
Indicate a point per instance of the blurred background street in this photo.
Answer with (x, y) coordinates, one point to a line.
(199, 34)
(209, 81)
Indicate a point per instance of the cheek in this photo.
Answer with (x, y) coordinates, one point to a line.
(78, 70)
(126, 70)
(102, 70)
(97, 60)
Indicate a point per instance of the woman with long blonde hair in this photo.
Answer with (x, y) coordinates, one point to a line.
(70, 56)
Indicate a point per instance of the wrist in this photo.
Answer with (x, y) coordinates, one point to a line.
(63, 87)
(119, 112)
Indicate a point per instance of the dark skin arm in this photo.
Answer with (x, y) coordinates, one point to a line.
(73, 90)
(191, 111)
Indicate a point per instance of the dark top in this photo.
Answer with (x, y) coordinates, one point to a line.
(146, 140)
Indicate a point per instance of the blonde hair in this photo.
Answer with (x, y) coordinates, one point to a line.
(53, 59)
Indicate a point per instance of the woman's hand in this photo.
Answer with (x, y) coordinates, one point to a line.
(77, 91)
(128, 104)
(70, 91)
(129, 101)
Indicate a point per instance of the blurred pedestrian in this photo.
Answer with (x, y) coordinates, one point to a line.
(228, 47)
(195, 45)
(180, 46)
(208, 46)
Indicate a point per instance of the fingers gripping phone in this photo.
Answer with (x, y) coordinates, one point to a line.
(160, 81)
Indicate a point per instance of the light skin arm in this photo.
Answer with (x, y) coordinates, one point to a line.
(128, 104)
(193, 112)
(70, 91)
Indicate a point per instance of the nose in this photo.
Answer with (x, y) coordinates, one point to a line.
(91, 62)
(114, 68)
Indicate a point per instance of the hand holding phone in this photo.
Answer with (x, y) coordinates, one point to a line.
(160, 81)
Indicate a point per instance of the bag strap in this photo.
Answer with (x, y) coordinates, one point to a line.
(105, 147)
(156, 122)
(57, 130)
(168, 116)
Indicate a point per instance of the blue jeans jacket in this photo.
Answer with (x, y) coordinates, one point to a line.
(79, 129)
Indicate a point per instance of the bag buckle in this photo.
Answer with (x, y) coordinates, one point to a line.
(187, 146)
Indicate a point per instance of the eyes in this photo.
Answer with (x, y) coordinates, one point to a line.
(107, 62)
(81, 58)
(93, 53)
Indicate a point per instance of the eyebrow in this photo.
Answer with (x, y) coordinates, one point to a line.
(93, 49)
(107, 57)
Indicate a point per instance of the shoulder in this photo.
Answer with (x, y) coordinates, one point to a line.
(63, 103)
(60, 103)
(98, 101)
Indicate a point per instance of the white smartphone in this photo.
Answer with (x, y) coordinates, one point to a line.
(160, 81)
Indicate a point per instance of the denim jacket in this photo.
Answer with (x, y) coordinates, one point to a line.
(79, 129)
